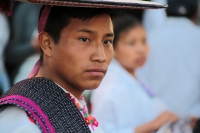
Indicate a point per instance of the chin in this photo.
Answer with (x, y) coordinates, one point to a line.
(92, 85)
(140, 65)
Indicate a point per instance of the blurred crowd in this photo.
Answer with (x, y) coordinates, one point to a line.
(19, 46)
(153, 80)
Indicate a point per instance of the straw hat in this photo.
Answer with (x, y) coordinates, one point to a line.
(127, 4)
(6, 5)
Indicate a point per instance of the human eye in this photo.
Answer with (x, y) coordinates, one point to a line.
(131, 44)
(108, 42)
(86, 40)
(144, 41)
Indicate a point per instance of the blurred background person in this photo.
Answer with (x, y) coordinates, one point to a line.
(173, 66)
(4, 37)
(197, 127)
(27, 65)
(198, 20)
(23, 23)
(153, 19)
(122, 103)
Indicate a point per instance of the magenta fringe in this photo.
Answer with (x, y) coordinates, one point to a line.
(6, 6)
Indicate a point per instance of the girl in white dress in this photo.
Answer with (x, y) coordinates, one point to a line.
(122, 103)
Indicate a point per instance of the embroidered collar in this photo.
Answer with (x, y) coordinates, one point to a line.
(82, 107)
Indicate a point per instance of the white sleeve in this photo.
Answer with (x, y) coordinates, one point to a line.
(14, 120)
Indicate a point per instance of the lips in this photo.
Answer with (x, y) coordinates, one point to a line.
(141, 60)
(97, 71)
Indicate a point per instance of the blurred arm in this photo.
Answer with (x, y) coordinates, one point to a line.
(164, 118)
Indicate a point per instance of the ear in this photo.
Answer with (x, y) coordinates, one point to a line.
(46, 43)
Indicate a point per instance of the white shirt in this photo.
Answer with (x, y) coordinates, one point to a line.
(173, 66)
(121, 103)
(13, 119)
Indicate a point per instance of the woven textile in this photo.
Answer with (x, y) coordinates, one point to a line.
(54, 102)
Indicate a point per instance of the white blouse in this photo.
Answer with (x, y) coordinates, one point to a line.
(121, 103)
(13, 119)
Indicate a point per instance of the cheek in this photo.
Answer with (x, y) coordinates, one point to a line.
(147, 51)
(57, 55)
(125, 56)
(130, 58)
(127, 53)
(61, 62)
(63, 58)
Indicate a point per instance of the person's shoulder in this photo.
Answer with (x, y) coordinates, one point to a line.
(196, 28)
(14, 119)
(10, 110)
(193, 34)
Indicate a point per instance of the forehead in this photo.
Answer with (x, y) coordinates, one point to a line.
(99, 24)
(133, 31)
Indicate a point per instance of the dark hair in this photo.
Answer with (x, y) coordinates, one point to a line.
(60, 17)
(182, 8)
(122, 22)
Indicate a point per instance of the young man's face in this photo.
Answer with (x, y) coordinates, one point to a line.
(84, 51)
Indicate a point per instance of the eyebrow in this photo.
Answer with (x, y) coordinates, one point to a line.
(93, 32)
(87, 31)
(109, 35)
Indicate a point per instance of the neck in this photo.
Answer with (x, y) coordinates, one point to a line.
(131, 71)
(194, 20)
(47, 73)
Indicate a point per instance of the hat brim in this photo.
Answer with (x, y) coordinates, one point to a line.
(120, 4)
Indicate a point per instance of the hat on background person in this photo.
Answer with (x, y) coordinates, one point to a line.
(184, 8)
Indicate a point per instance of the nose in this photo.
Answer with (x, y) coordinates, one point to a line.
(99, 54)
(141, 48)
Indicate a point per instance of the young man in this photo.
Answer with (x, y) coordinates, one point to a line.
(76, 48)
